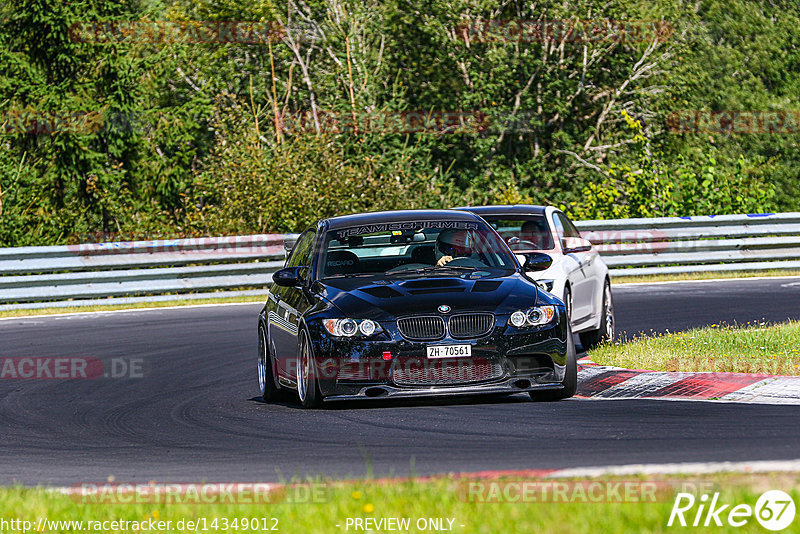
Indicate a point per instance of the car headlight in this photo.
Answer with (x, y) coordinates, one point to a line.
(546, 284)
(533, 317)
(351, 327)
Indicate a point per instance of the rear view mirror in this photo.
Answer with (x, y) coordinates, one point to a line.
(288, 277)
(572, 245)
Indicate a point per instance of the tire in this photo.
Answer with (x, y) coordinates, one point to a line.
(568, 304)
(605, 333)
(307, 385)
(570, 383)
(266, 379)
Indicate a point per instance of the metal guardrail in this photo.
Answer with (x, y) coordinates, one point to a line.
(100, 270)
(38, 276)
(669, 245)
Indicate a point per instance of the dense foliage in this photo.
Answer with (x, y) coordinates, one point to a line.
(111, 131)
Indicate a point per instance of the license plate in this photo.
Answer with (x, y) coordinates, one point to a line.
(449, 351)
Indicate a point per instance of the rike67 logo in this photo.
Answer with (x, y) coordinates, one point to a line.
(774, 510)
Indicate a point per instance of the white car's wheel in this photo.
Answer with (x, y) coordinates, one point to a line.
(568, 304)
(605, 333)
(570, 382)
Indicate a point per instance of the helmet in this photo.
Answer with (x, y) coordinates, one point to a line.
(453, 243)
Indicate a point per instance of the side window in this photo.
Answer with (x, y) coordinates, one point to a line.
(558, 225)
(569, 228)
(528, 233)
(564, 227)
(303, 250)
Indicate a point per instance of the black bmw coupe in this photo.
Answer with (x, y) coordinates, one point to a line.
(409, 303)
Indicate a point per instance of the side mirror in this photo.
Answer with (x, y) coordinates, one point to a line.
(575, 244)
(288, 277)
(535, 261)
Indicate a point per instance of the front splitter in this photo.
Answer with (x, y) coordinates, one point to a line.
(512, 385)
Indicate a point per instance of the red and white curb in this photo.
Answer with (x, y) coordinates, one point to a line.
(599, 382)
(686, 468)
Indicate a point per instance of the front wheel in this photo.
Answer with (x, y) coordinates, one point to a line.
(570, 383)
(307, 386)
(605, 333)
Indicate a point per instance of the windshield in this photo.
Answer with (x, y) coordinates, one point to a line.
(413, 247)
(522, 234)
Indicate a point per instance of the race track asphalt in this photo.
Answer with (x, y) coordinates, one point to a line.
(193, 413)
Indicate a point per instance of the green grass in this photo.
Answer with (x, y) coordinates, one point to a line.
(134, 306)
(748, 348)
(440, 498)
(682, 277)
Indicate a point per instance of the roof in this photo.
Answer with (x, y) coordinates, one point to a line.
(513, 209)
(363, 219)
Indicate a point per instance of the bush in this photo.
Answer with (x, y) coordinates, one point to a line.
(251, 183)
(653, 187)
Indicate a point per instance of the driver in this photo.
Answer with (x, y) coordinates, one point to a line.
(532, 232)
(452, 244)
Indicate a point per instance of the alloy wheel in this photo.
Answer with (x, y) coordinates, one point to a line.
(303, 370)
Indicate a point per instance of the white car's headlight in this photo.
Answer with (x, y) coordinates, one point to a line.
(533, 316)
(546, 284)
(351, 327)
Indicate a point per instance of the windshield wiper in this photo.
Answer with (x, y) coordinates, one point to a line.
(434, 269)
(457, 267)
(351, 275)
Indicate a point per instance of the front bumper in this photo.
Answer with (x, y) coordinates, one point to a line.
(507, 360)
(509, 385)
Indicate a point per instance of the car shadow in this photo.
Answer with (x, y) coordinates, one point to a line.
(370, 404)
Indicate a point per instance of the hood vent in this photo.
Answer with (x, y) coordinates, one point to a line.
(431, 283)
(486, 286)
(381, 292)
(436, 290)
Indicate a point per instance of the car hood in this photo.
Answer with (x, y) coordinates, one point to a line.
(385, 299)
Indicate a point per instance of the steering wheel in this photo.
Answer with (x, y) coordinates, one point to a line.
(515, 243)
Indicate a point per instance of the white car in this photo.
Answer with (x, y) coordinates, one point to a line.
(577, 275)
